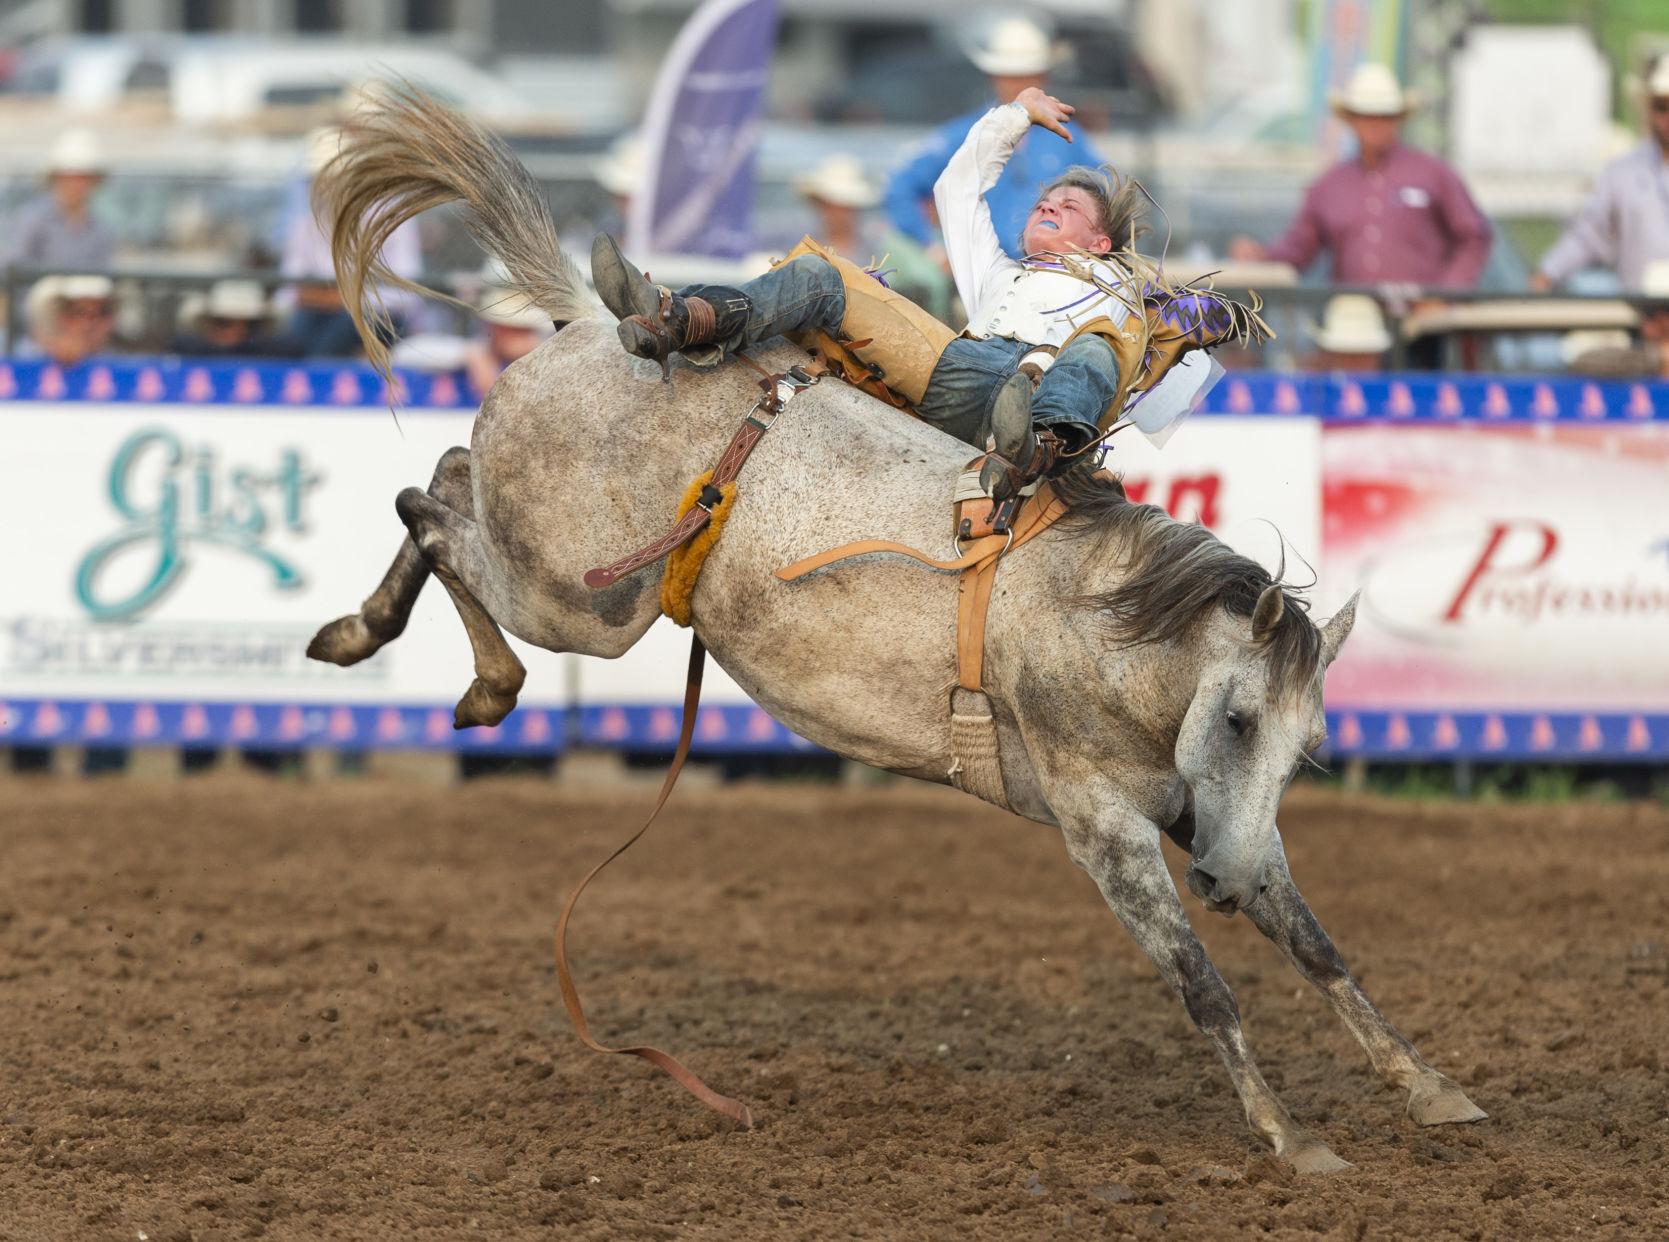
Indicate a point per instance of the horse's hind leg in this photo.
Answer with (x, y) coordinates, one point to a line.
(1121, 853)
(448, 542)
(382, 617)
(1282, 914)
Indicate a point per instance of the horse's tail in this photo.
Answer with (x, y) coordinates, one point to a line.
(407, 153)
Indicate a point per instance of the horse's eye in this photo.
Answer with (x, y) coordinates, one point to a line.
(1239, 725)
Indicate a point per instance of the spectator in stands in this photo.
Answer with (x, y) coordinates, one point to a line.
(840, 196)
(1624, 225)
(1352, 335)
(1602, 355)
(57, 229)
(1390, 213)
(1016, 54)
(318, 324)
(514, 328)
(233, 319)
(71, 318)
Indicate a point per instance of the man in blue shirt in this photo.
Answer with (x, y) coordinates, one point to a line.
(1015, 55)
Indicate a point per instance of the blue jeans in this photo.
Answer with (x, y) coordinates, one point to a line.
(1070, 400)
(807, 293)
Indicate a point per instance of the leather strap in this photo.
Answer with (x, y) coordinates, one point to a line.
(979, 572)
(779, 389)
(973, 602)
(982, 549)
(703, 319)
(565, 977)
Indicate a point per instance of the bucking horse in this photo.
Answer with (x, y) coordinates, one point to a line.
(1145, 679)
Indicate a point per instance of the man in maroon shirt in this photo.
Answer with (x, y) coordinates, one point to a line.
(1391, 214)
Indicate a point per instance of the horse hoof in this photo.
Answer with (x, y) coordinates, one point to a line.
(1438, 1102)
(481, 706)
(345, 641)
(1314, 1156)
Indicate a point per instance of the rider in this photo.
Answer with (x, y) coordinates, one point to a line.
(1065, 310)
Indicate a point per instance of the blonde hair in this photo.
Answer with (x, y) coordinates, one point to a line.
(1119, 201)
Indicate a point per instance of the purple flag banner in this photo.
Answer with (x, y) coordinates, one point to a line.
(701, 132)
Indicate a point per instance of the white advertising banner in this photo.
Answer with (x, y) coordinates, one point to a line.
(1255, 480)
(189, 553)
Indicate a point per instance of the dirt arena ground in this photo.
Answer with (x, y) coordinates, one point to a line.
(239, 1007)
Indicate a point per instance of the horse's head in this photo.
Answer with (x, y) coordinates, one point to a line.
(1256, 713)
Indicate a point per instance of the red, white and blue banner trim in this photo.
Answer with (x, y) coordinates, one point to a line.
(721, 728)
(341, 386)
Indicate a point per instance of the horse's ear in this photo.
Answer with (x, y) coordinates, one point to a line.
(1337, 630)
(1267, 615)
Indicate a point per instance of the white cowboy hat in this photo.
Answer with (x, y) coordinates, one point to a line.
(76, 151)
(510, 309)
(839, 180)
(50, 289)
(620, 172)
(1654, 279)
(1373, 91)
(1352, 323)
(235, 299)
(1014, 47)
(1574, 345)
(1657, 80)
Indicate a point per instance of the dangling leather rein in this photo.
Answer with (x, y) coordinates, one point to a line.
(778, 390)
(565, 977)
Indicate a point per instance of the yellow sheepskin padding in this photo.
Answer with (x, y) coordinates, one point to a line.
(683, 565)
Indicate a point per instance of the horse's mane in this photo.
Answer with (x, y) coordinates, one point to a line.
(1174, 571)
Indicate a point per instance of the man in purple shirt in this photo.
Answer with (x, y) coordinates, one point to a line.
(1391, 214)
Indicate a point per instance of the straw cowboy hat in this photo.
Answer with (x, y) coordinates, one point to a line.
(1655, 83)
(1654, 279)
(839, 180)
(1014, 47)
(235, 299)
(1352, 323)
(1581, 346)
(76, 151)
(1373, 90)
(620, 172)
(510, 309)
(53, 289)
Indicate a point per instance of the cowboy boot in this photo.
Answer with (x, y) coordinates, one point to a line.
(1020, 454)
(655, 321)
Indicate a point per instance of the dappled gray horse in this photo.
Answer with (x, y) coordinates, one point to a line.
(1145, 678)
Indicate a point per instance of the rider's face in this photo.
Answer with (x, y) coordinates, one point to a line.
(1065, 219)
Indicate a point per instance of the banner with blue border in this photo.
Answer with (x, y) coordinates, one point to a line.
(339, 386)
(350, 388)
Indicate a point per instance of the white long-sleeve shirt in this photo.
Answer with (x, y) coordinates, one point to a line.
(1030, 301)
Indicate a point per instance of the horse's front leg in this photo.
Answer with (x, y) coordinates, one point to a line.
(1282, 914)
(1121, 853)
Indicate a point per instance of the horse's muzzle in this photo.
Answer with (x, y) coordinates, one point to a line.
(1220, 896)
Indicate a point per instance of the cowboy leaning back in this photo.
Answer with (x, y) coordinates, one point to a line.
(1057, 343)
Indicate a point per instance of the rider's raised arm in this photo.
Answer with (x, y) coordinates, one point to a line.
(970, 238)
